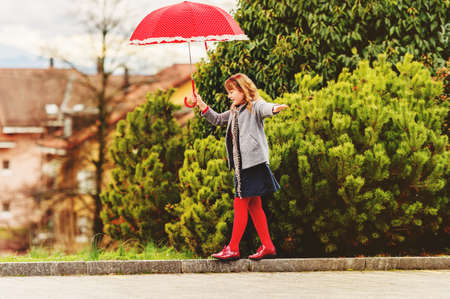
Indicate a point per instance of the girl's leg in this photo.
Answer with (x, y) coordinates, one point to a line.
(260, 221)
(239, 222)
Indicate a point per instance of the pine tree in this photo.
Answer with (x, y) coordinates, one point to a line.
(362, 163)
(147, 151)
(205, 212)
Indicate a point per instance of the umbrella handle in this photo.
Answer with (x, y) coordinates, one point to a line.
(187, 105)
(194, 94)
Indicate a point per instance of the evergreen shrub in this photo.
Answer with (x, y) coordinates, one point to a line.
(362, 163)
(204, 214)
(147, 153)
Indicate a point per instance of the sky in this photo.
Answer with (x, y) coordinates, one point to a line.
(32, 30)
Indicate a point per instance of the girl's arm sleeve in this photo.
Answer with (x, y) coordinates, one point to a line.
(265, 109)
(217, 119)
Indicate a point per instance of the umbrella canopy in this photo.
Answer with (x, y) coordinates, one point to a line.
(187, 22)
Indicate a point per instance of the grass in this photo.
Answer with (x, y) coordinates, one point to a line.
(124, 252)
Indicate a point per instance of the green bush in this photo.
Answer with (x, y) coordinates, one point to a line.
(204, 215)
(362, 163)
(288, 36)
(147, 152)
(443, 74)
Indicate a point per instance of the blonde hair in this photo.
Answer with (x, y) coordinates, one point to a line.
(245, 85)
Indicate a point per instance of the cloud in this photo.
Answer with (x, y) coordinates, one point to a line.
(49, 16)
(21, 37)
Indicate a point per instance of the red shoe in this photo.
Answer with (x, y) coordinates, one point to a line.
(227, 255)
(263, 253)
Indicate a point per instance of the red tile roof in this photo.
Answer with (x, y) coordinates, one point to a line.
(173, 76)
(25, 92)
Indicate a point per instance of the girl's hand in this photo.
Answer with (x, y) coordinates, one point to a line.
(190, 102)
(278, 108)
(199, 102)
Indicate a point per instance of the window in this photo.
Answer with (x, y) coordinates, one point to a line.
(86, 182)
(6, 206)
(78, 107)
(5, 169)
(51, 108)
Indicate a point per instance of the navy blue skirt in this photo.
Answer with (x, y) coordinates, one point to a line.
(256, 181)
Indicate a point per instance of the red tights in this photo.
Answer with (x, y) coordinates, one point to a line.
(241, 208)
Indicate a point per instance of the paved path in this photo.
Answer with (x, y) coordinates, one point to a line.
(349, 284)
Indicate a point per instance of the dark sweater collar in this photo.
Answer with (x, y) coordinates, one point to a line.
(241, 107)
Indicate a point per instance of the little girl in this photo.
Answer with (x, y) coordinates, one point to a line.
(248, 155)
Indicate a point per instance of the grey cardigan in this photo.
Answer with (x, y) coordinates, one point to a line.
(252, 139)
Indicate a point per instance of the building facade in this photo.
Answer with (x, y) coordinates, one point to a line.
(47, 127)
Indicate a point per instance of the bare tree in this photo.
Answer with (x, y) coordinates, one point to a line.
(106, 23)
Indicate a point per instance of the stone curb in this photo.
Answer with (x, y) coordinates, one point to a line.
(214, 266)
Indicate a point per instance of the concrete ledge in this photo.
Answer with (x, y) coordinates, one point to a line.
(26, 269)
(68, 268)
(305, 264)
(215, 266)
(407, 263)
(132, 267)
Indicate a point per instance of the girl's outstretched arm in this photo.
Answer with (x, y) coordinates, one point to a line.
(264, 109)
(217, 119)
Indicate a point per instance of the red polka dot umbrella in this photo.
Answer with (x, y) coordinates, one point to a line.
(187, 22)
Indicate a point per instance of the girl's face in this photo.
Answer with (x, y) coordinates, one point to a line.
(236, 96)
